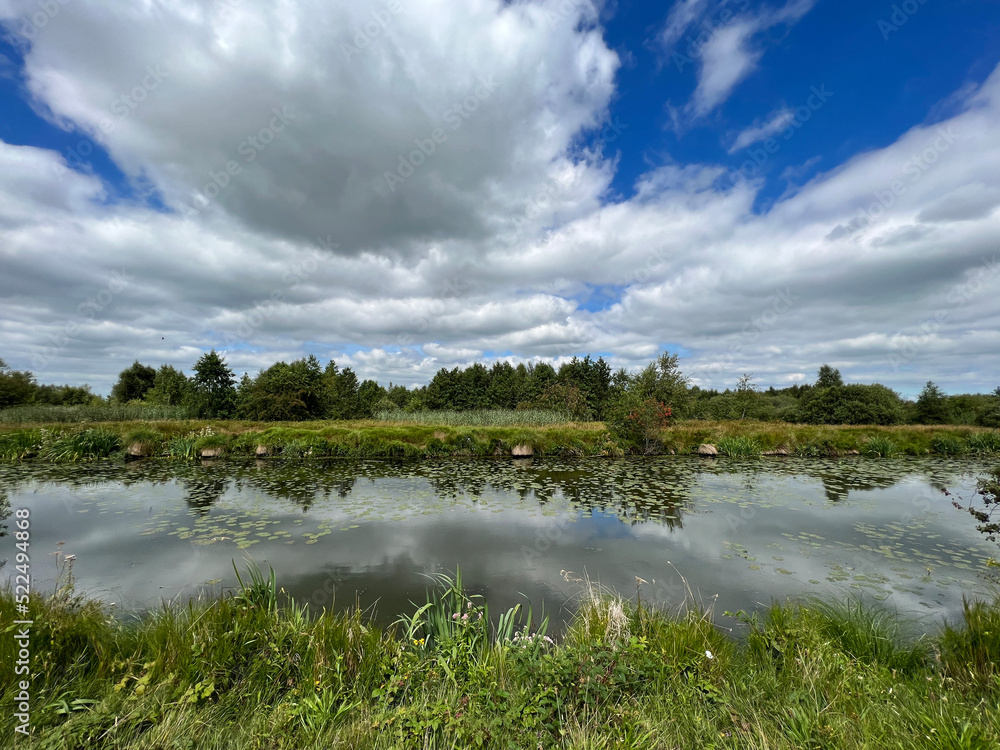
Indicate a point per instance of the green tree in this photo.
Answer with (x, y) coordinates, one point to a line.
(370, 394)
(214, 387)
(930, 407)
(133, 383)
(828, 377)
(506, 386)
(284, 392)
(341, 392)
(16, 387)
(171, 387)
(663, 381)
(852, 404)
(637, 422)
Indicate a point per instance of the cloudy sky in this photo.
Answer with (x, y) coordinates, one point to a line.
(414, 184)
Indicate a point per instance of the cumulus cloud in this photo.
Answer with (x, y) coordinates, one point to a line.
(882, 266)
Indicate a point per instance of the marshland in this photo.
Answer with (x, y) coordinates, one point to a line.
(490, 576)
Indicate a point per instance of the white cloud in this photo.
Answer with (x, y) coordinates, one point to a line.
(488, 249)
(721, 39)
(759, 131)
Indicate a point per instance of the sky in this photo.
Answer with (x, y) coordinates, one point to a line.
(407, 185)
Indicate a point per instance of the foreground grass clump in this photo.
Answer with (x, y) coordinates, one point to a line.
(250, 670)
(740, 447)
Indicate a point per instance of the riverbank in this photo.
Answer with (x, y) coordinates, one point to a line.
(244, 671)
(193, 439)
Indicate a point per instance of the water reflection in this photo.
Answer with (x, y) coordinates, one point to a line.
(342, 532)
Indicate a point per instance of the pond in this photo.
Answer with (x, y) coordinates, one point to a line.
(733, 534)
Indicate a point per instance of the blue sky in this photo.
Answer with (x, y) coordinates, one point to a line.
(269, 182)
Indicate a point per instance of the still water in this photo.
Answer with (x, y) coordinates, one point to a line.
(738, 534)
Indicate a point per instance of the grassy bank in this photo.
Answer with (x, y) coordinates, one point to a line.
(244, 671)
(190, 439)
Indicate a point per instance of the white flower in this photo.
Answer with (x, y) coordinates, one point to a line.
(709, 654)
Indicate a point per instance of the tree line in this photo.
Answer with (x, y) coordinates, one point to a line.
(582, 388)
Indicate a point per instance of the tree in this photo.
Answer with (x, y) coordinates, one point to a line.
(852, 404)
(930, 407)
(370, 394)
(133, 383)
(746, 395)
(16, 387)
(341, 397)
(214, 386)
(284, 392)
(828, 377)
(637, 423)
(663, 381)
(171, 387)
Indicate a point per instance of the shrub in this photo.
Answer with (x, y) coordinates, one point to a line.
(852, 404)
(639, 423)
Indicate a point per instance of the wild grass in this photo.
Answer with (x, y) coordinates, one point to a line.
(477, 417)
(741, 446)
(46, 414)
(253, 669)
(879, 446)
(184, 439)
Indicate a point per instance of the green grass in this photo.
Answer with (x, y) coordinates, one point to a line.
(184, 439)
(255, 670)
(879, 446)
(478, 417)
(45, 414)
(741, 446)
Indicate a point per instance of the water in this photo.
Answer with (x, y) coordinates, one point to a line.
(738, 534)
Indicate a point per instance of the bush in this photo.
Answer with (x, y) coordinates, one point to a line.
(638, 423)
(852, 404)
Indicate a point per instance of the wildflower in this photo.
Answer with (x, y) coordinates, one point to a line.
(464, 618)
(709, 655)
(455, 616)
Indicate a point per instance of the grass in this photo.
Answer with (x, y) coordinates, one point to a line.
(45, 414)
(741, 446)
(478, 417)
(254, 670)
(185, 439)
(879, 446)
